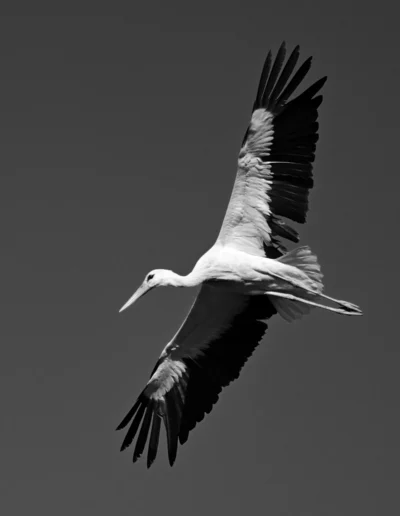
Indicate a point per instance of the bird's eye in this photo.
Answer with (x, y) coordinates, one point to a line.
(150, 277)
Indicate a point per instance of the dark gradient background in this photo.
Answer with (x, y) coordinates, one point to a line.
(118, 144)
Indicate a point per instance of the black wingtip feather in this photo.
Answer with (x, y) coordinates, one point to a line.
(154, 439)
(134, 427)
(276, 68)
(286, 73)
(294, 82)
(129, 415)
(263, 80)
(310, 93)
(144, 432)
(172, 424)
(273, 92)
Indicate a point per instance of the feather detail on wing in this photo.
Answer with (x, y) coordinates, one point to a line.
(275, 162)
(218, 336)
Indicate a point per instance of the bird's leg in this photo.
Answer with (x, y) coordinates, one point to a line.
(344, 304)
(348, 308)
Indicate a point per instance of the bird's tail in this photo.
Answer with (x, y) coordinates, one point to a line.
(305, 260)
(306, 293)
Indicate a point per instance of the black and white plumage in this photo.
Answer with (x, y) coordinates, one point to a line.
(275, 162)
(247, 276)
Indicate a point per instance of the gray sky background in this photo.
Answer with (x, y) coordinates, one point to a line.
(118, 144)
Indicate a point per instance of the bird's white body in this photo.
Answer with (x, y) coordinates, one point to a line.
(231, 269)
(247, 276)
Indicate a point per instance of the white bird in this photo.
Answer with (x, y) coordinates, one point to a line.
(247, 276)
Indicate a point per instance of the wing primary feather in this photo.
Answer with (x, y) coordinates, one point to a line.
(172, 427)
(144, 432)
(177, 400)
(134, 427)
(286, 73)
(154, 438)
(310, 92)
(129, 415)
(263, 80)
(276, 68)
(295, 82)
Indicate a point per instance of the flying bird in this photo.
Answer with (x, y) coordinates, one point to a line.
(247, 276)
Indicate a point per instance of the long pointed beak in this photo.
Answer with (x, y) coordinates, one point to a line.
(141, 291)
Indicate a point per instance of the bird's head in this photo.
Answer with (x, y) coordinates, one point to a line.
(155, 278)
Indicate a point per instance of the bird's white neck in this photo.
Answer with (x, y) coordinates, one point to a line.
(190, 280)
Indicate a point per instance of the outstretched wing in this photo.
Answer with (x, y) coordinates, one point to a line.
(219, 334)
(275, 162)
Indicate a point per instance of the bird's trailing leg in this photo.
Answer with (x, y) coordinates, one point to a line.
(345, 307)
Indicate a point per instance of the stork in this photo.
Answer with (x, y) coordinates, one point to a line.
(247, 276)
